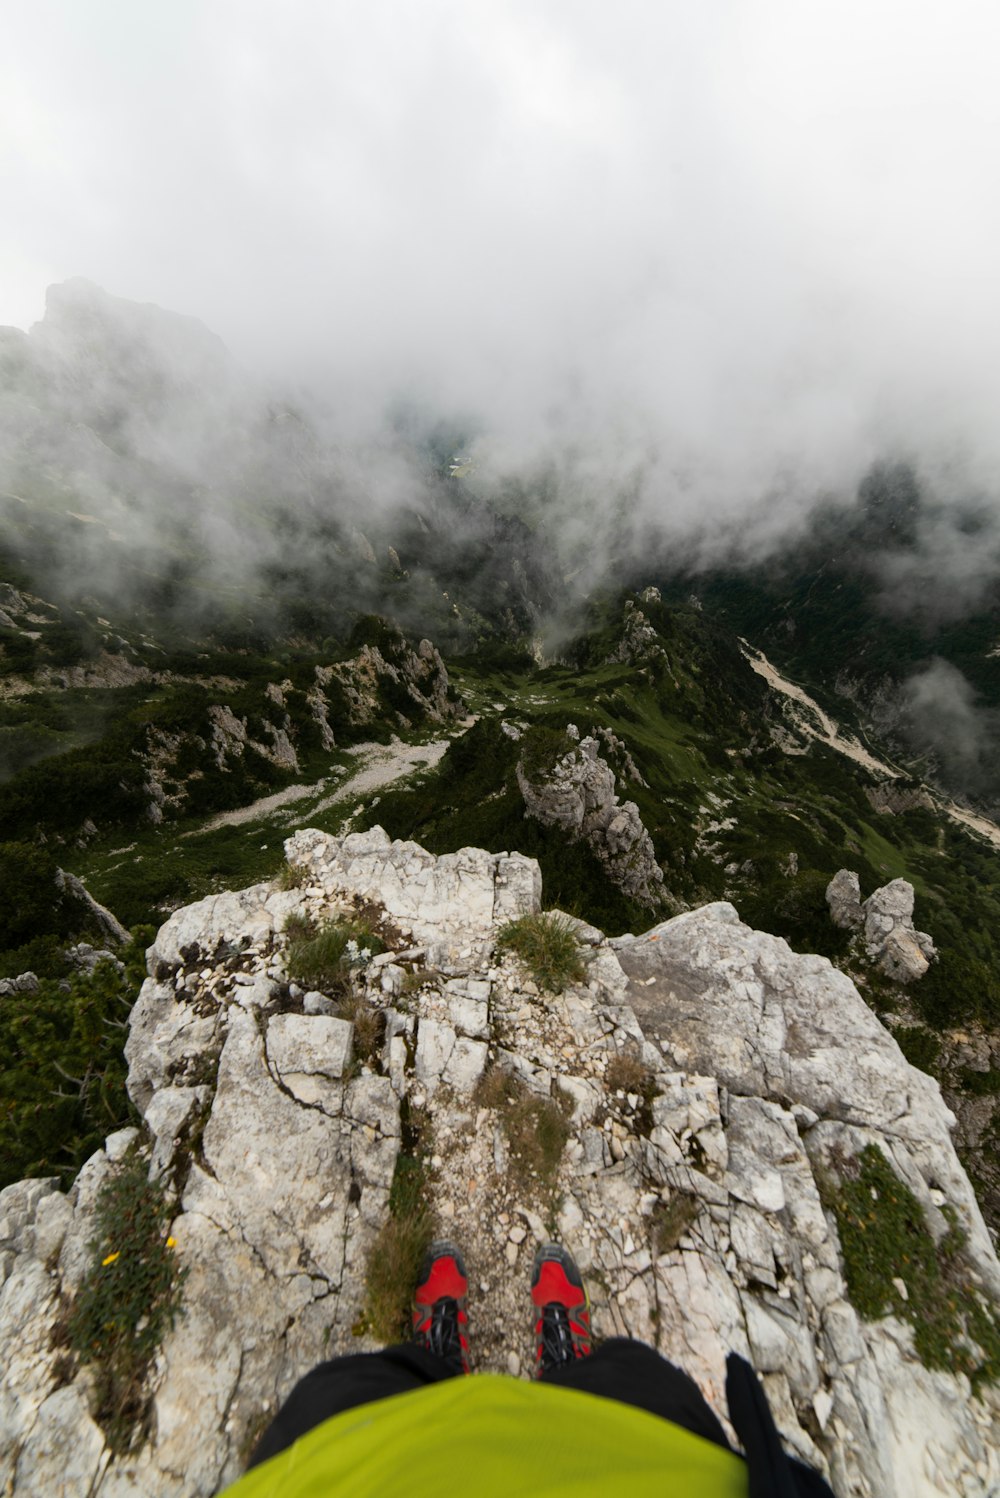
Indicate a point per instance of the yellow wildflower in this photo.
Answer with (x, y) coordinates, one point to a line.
(171, 1242)
(110, 1259)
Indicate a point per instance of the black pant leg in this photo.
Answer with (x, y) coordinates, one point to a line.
(634, 1373)
(341, 1384)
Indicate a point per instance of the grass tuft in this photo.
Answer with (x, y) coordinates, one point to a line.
(395, 1256)
(548, 948)
(368, 1022)
(536, 1127)
(292, 876)
(671, 1220)
(626, 1073)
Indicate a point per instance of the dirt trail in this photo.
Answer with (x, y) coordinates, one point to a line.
(829, 733)
(382, 764)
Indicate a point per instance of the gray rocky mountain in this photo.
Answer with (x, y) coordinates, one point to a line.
(577, 794)
(698, 1204)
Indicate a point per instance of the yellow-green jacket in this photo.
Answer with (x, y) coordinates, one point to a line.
(497, 1437)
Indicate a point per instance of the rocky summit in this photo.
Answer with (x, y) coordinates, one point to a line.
(721, 1098)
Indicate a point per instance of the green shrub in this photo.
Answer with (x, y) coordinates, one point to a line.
(980, 1083)
(18, 653)
(920, 1046)
(62, 1072)
(959, 986)
(541, 747)
(372, 629)
(58, 794)
(129, 1298)
(45, 956)
(32, 905)
(795, 907)
(548, 948)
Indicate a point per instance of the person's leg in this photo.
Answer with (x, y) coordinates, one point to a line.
(341, 1384)
(439, 1350)
(620, 1369)
(635, 1374)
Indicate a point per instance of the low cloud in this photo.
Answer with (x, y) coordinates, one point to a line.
(942, 717)
(683, 269)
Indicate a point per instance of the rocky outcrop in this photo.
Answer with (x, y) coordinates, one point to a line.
(887, 797)
(86, 958)
(413, 682)
(22, 983)
(577, 794)
(696, 1203)
(886, 921)
(616, 749)
(229, 739)
(109, 927)
(843, 895)
(639, 641)
(105, 670)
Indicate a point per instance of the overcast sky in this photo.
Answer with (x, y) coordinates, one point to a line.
(752, 241)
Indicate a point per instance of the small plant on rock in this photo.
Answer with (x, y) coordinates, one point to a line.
(323, 957)
(300, 928)
(368, 1022)
(292, 876)
(627, 1073)
(536, 1127)
(547, 946)
(129, 1298)
(671, 1220)
(893, 1266)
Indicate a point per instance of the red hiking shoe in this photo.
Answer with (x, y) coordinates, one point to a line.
(440, 1320)
(562, 1330)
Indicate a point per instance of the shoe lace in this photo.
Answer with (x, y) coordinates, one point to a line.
(443, 1335)
(558, 1346)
